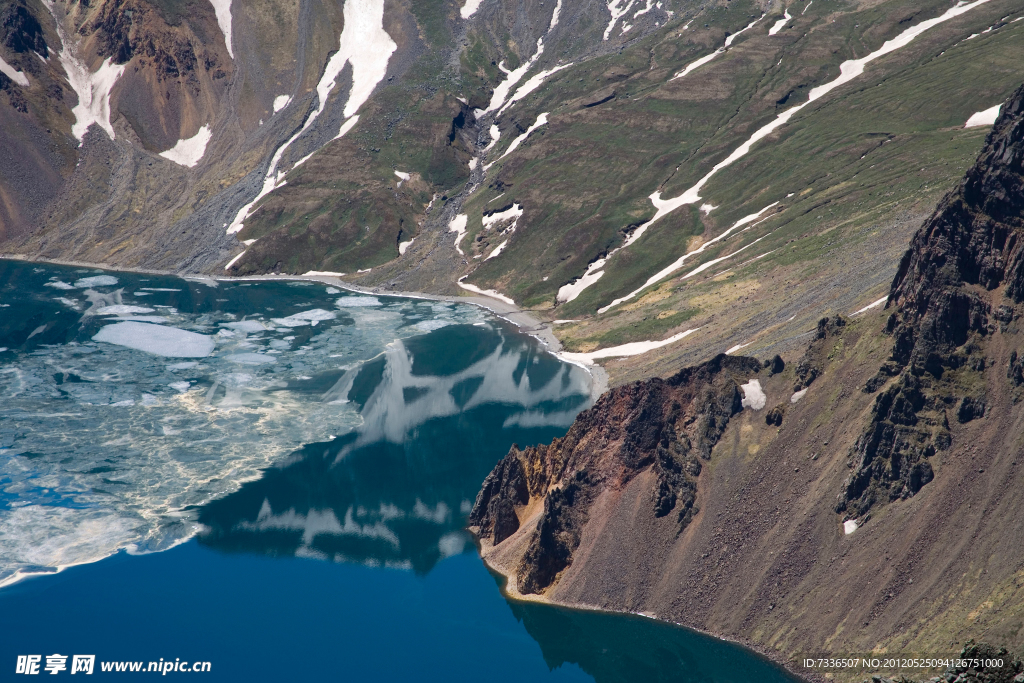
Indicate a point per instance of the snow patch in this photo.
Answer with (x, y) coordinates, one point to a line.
(541, 120)
(345, 127)
(984, 118)
(93, 90)
(617, 10)
(157, 339)
(458, 226)
(222, 8)
(403, 246)
(367, 47)
(532, 84)
(469, 8)
(807, 8)
(497, 250)
(572, 290)
(736, 348)
(17, 76)
(486, 292)
(189, 151)
(234, 260)
(512, 213)
(281, 101)
(753, 395)
(707, 58)
(321, 273)
(873, 304)
(678, 264)
(849, 526)
(849, 70)
(797, 395)
(502, 90)
(631, 349)
(780, 24)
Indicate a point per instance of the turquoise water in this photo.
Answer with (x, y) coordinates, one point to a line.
(277, 482)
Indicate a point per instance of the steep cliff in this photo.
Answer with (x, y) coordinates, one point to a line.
(865, 498)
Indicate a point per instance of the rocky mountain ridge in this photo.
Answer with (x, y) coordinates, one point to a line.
(873, 508)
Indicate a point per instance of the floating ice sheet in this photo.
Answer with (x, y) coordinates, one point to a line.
(157, 339)
(178, 433)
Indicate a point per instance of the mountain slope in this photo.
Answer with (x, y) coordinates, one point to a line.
(244, 138)
(864, 498)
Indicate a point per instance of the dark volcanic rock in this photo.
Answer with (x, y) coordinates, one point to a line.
(20, 30)
(813, 362)
(665, 426)
(975, 239)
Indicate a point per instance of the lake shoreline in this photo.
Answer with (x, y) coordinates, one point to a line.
(525, 321)
(514, 595)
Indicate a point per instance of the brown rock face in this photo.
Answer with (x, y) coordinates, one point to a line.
(672, 498)
(941, 320)
(666, 427)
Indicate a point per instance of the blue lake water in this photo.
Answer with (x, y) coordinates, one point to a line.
(274, 477)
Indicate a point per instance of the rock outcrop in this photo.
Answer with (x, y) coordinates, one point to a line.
(665, 427)
(672, 499)
(941, 319)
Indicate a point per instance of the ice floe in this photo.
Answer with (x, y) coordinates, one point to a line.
(780, 24)
(96, 281)
(310, 317)
(59, 285)
(189, 151)
(631, 349)
(984, 118)
(17, 76)
(753, 395)
(159, 340)
(357, 302)
(458, 226)
(249, 326)
(222, 8)
(250, 358)
(123, 310)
